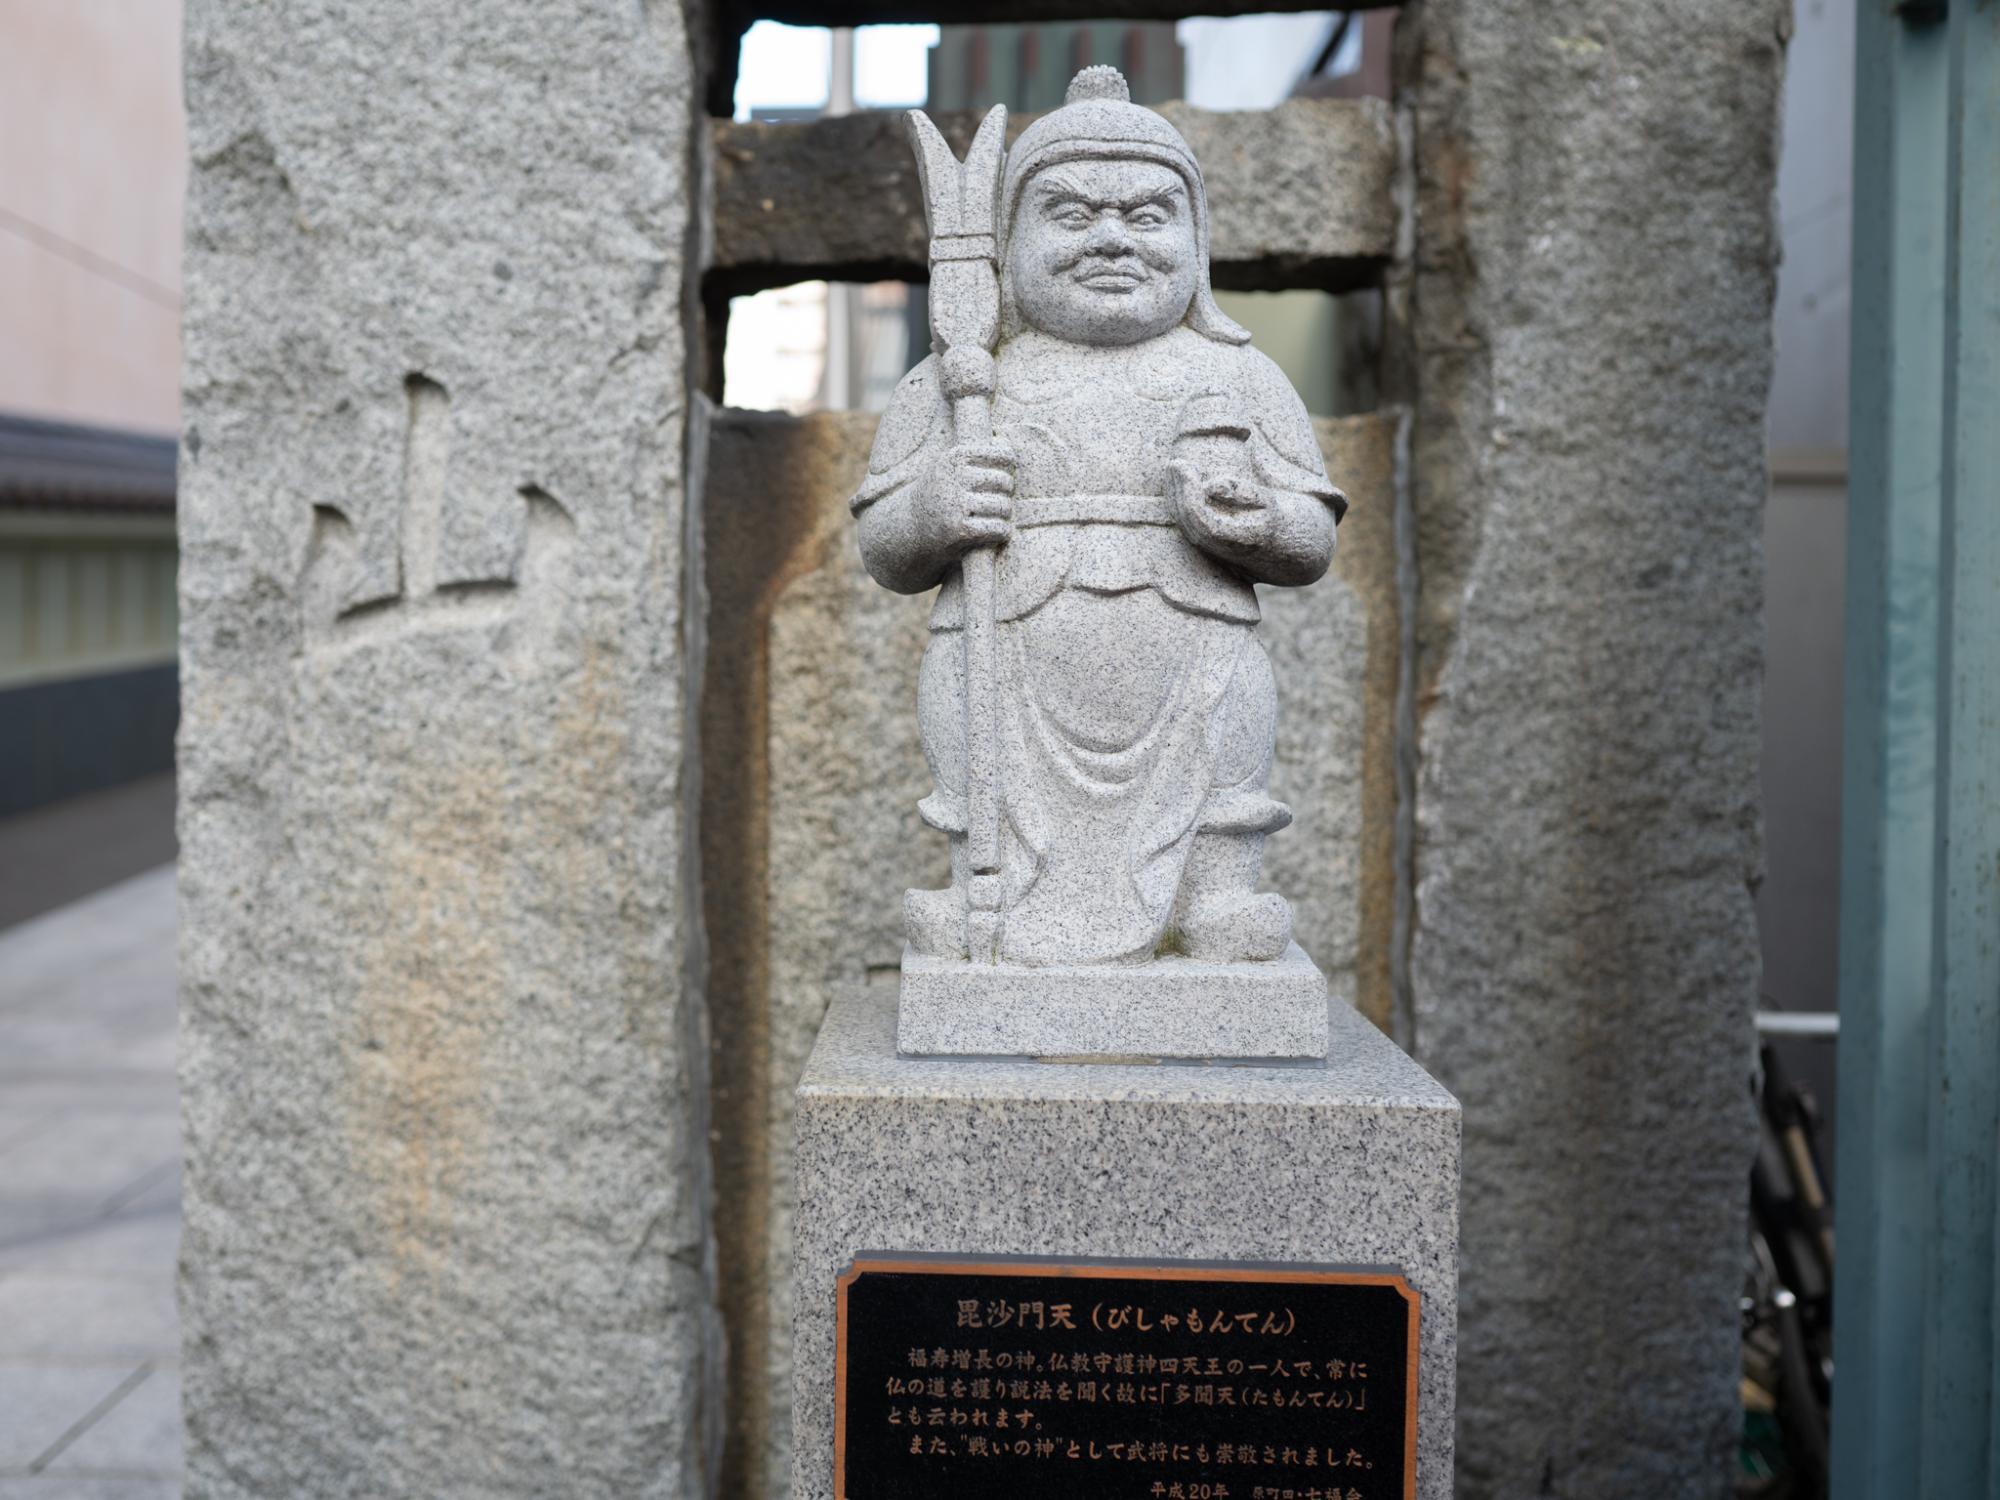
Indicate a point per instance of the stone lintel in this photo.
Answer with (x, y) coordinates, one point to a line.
(1353, 1161)
(1299, 196)
(985, 12)
(1172, 1007)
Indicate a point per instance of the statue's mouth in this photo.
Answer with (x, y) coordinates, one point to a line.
(1111, 278)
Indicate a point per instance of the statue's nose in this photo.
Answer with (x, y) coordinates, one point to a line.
(1109, 236)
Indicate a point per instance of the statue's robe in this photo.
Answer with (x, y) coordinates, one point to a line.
(1136, 705)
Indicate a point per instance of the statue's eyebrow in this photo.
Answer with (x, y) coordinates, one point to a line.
(1059, 189)
(1166, 197)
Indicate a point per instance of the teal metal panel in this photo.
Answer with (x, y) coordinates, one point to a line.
(1915, 1394)
(1965, 1114)
(1889, 751)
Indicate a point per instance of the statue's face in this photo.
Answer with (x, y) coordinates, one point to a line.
(1103, 252)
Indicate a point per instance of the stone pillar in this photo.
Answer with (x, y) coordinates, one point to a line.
(1595, 261)
(442, 1066)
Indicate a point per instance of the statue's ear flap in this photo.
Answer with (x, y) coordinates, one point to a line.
(1210, 321)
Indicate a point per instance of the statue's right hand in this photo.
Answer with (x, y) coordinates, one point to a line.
(970, 502)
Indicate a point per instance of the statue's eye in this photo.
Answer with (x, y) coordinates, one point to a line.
(1149, 217)
(1072, 217)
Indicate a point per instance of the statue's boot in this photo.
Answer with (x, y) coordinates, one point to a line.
(934, 922)
(1222, 917)
(1255, 926)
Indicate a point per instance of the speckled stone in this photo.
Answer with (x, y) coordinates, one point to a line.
(1172, 1007)
(1096, 472)
(1351, 1161)
(1589, 511)
(793, 917)
(443, 1052)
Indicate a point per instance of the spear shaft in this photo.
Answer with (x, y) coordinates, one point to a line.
(959, 202)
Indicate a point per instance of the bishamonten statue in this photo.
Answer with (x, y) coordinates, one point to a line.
(1094, 470)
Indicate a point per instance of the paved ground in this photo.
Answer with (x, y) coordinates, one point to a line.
(89, 1198)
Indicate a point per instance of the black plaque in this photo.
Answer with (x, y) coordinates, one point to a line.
(1019, 1379)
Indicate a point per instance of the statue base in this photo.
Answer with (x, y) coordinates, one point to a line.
(1351, 1162)
(1170, 1008)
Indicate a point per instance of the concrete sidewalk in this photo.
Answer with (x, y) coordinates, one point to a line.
(90, 1200)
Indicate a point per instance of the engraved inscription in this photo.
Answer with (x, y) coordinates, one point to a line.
(426, 453)
(1165, 1381)
(343, 610)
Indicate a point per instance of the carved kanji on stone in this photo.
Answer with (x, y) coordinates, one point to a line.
(456, 561)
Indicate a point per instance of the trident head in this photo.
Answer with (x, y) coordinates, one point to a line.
(959, 199)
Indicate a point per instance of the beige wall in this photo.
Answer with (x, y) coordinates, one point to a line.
(92, 162)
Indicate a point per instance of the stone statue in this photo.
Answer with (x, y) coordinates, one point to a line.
(1093, 471)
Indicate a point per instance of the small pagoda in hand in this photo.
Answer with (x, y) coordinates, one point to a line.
(1094, 471)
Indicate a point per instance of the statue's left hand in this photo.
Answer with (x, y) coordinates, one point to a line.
(1223, 513)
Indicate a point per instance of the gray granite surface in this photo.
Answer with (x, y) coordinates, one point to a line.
(829, 194)
(793, 916)
(1593, 285)
(1172, 1007)
(1353, 1161)
(1094, 471)
(441, 1056)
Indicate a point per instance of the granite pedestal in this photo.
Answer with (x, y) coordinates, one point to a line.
(1169, 1008)
(1353, 1161)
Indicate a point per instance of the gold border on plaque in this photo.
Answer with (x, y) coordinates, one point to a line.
(1086, 1270)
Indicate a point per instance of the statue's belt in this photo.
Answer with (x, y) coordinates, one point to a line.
(1086, 510)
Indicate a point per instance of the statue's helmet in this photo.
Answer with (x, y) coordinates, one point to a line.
(1099, 122)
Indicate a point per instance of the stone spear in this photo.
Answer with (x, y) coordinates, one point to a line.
(965, 325)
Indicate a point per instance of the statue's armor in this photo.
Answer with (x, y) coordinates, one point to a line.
(1136, 706)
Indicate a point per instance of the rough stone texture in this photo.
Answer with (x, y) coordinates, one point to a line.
(1096, 472)
(1334, 648)
(807, 726)
(971, 12)
(442, 1076)
(1175, 1007)
(839, 197)
(1354, 1162)
(1594, 280)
